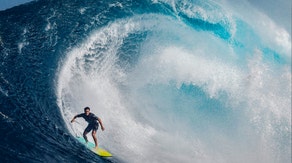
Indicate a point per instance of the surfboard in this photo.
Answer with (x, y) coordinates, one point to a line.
(100, 151)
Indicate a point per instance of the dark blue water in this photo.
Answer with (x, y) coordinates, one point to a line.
(173, 81)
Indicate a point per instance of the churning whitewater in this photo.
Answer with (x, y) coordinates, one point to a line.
(173, 81)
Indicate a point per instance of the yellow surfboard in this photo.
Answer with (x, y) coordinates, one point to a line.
(100, 151)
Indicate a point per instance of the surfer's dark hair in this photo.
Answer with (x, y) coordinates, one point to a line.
(86, 108)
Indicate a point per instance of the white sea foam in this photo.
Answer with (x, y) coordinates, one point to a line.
(189, 92)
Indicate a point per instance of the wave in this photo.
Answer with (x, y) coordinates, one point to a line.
(198, 83)
(173, 81)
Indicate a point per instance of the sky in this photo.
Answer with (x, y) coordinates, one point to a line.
(5, 4)
(278, 10)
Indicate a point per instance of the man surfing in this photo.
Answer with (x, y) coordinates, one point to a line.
(92, 124)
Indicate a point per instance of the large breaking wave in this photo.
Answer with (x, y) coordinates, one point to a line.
(173, 81)
(197, 83)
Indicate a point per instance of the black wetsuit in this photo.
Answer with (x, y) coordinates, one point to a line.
(92, 121)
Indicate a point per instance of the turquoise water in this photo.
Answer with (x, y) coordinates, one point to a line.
(172, 81)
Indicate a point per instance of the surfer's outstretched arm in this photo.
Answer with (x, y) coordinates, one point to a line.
(100, 122)
(73, 118)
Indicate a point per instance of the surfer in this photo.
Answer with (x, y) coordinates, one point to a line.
(92, 124)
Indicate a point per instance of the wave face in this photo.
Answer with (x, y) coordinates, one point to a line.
(173, 81)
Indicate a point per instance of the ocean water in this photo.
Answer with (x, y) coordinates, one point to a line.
(173, 81)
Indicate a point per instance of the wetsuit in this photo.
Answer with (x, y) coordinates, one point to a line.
(92, 121)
